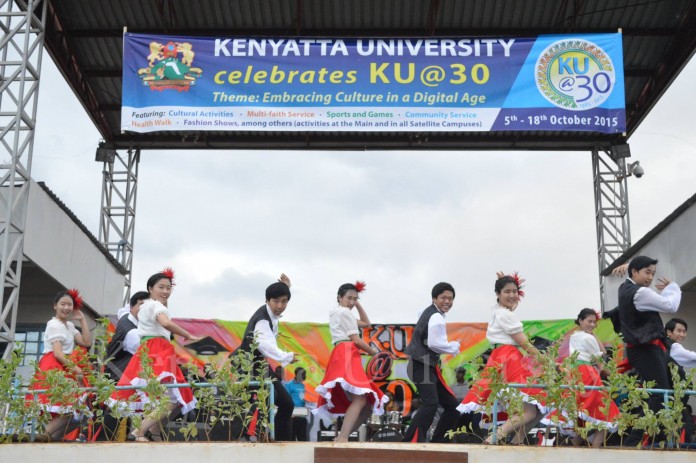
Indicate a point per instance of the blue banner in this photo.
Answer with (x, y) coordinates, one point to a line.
(547, 83)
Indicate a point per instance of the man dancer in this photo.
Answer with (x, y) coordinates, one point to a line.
(642, 329)
(125, 340)
(429, 340)
(264, 325)
(683, 358)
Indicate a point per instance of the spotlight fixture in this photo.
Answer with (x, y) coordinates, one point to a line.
(104, 154)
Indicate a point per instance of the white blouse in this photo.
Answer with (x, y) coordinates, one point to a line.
(342, 324)
(504, 323)
(585, 345)
(56, 330)
(147, 319)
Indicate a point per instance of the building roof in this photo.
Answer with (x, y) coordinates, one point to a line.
(116, 264)
(626, 256)
(84, 38)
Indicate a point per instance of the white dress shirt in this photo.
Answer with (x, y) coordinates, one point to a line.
(683, 357)
(437, 335)
(132, 340)
(647, 300)
(268, 344)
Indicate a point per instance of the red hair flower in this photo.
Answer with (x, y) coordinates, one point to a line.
(518, 281)
(77, 299)
(360, 286)
(169, 273)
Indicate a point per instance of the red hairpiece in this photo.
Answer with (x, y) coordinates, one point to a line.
(77, 299)
(169, 273)
(599, 315)
(360, 286)
(518, 281)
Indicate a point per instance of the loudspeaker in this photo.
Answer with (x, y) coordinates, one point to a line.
(226, 430)
(174, 428)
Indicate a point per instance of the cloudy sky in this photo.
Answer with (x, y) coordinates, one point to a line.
(230, 222)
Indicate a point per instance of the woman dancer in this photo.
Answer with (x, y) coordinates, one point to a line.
(60, 339)
(505, 333)
(346, 390)
(155, 328)
(591, 403)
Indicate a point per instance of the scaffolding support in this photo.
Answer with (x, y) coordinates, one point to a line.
(23, 24)
(611, 209)
(119, 195)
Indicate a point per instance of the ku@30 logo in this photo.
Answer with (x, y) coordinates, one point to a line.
(575, 74)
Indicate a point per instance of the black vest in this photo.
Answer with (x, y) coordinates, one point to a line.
(115, 351)
(248, 338)
(637, 327)
(418, 348)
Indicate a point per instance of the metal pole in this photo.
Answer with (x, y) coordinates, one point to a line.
(119, 199)
(611, 210)
(21, 49)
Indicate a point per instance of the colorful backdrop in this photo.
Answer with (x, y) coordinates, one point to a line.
(312, 343)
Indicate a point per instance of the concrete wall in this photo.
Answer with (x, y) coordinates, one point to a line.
(57, 245)
(675, 249)
(304, 453)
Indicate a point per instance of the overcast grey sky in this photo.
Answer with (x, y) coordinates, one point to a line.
(229, 222)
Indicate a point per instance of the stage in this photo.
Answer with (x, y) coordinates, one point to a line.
(324, 452)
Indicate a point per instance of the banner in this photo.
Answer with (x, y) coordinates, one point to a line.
(547, 83)
(311, 342)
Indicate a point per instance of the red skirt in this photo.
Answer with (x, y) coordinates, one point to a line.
(513, 367)
(345, 374)
(47, 363)
(163, 360)
(592, 404)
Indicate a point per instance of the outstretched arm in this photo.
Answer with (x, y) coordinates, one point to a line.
(169, 325)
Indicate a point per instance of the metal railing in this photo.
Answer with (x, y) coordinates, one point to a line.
(494, 437)
(268, 383)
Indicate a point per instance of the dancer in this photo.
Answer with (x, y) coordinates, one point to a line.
(676, 330)
(60, 353)
(346, 390)
(643, 331)
(263, 326)
(428, 341)
(506, 334)
(592, 404)
(155, 328)
(125, 341)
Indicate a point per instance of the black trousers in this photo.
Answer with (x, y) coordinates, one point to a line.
(432, 392)
(299, 428)
(283, 417)
(650, 361)
(689, 425)
(282, 424)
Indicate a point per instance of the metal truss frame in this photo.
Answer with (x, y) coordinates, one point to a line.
(611, 209)
(119, 195)
(23, 29)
